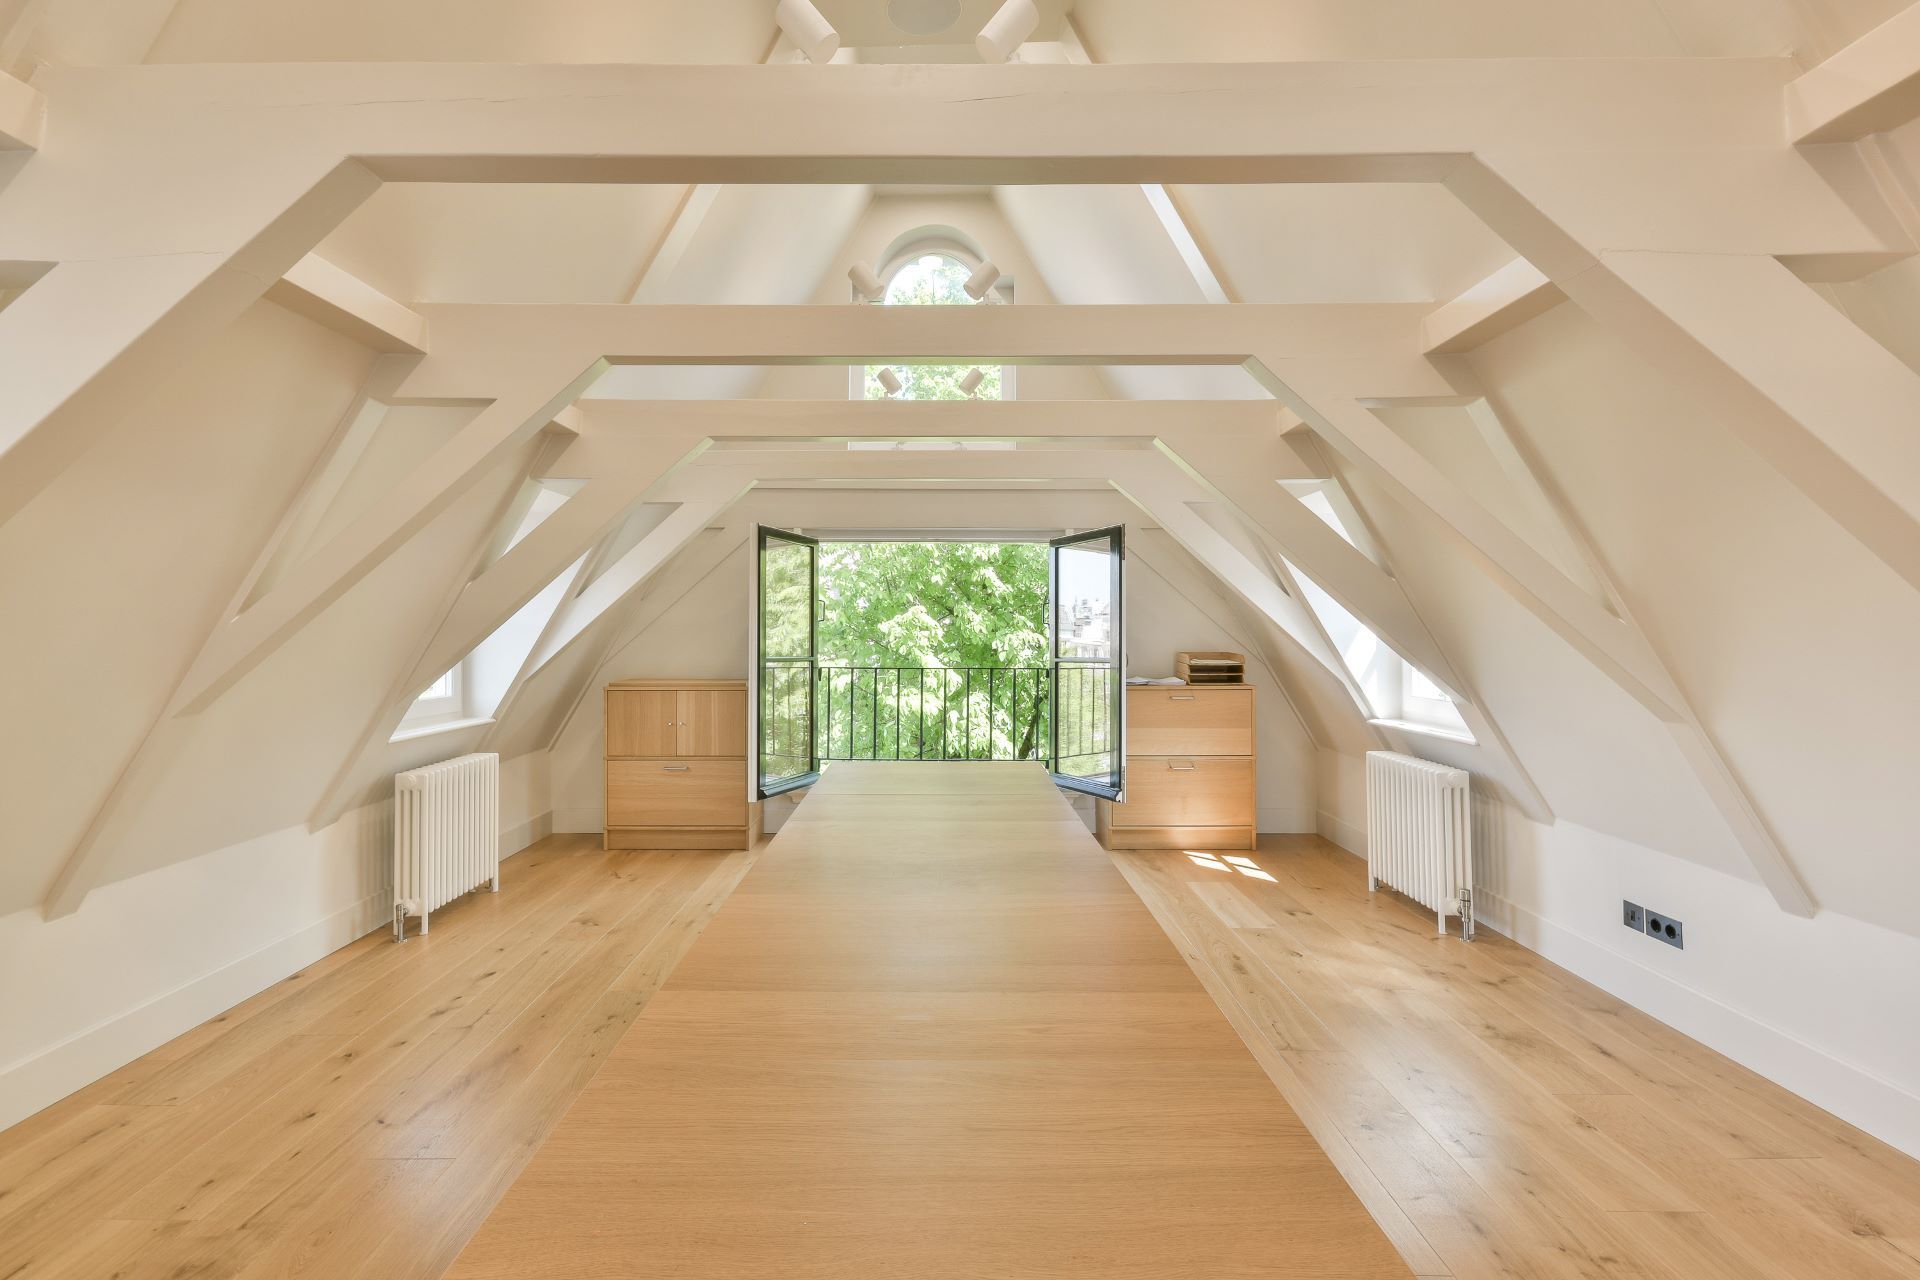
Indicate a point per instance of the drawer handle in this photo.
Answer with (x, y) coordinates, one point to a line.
(1182, 697)
(677, 768)
(1182, 768)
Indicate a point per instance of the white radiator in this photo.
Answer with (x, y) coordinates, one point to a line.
(446, 835)
(1420, 834)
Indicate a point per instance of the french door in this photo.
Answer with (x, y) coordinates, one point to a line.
(785, 639)
(1087, 637)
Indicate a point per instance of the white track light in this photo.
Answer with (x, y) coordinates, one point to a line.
(981, 282)
(970, 382)
(808, 28)
(890, 381)
(866, 286)
(1007, 30)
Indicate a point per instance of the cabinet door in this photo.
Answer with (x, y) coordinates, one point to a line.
(713, 722)
(643, 722)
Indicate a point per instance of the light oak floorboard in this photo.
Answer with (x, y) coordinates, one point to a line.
(1495, 1115)
(1507, 1118)
(932, 1034)
(361, 1117)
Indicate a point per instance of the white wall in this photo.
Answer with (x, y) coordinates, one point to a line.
(1822, 1006)
(150, 957)
(1172, 604)
(1794, 645)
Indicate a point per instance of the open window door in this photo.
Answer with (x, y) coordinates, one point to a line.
(785, 616)
(1088, 639)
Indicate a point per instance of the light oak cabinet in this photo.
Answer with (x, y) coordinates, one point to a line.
(677, 765)
(1190, 770)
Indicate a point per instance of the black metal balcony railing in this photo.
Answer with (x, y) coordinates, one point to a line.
(932, 713)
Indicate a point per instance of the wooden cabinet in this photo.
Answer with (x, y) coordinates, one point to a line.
(1190, 770)
(677, 765)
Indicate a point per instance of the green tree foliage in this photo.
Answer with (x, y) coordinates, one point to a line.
(934, 604)
(941, 607)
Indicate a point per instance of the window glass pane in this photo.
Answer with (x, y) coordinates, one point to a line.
(1087, 735)
(1419, 686)
(786, 721)
(1084, 600)
(936, 280)
(786, 600)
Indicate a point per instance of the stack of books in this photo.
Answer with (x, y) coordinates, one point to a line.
(1211, 668)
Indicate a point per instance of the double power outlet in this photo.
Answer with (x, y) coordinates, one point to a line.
(1654, 925)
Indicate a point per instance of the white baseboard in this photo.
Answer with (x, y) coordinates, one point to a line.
(514, 839)
(1344, 834)
(1284, 822)
(1859, 1097)
(38, 1081)
(46, 1077)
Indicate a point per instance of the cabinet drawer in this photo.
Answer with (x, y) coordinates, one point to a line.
(1187, 791)
(1194, 721)
(676, 792)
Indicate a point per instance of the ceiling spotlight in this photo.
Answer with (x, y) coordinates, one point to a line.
(808, 28)
(867, 287)
(970, 382)
(1007, 30)
(981, 282)
(890, 380)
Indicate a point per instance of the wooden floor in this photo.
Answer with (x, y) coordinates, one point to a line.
(1503, 1118)
(1497, 1116)
(360, 1118)
(932, 1034)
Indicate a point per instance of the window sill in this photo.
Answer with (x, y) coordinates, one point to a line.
(1428, 731)
(409, 733)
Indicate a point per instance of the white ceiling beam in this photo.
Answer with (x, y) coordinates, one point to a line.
(1671, 153)
(83, 864)
(1505, 300)
(526, 569)
(1374, 346)
(1249, 484)
(423, 493)
(23, 115)
(1153, 485)
(334, 297)
(1365, 589)
(840, 420)
(1358, 435)
(1266, 122)
(1711, 769)
(729, 532)
(1871, 85)
(708, 496)
(1825, 403)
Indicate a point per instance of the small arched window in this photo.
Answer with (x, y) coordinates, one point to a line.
(932, 279)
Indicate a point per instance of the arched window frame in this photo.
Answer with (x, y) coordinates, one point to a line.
(946, 247)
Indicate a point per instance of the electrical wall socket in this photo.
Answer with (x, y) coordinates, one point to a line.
(1634, 916)
(1667, 929)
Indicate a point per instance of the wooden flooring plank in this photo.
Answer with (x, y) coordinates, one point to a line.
(1494, 1115)
(934, 1084)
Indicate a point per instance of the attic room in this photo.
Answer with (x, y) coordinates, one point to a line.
(959, 638)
